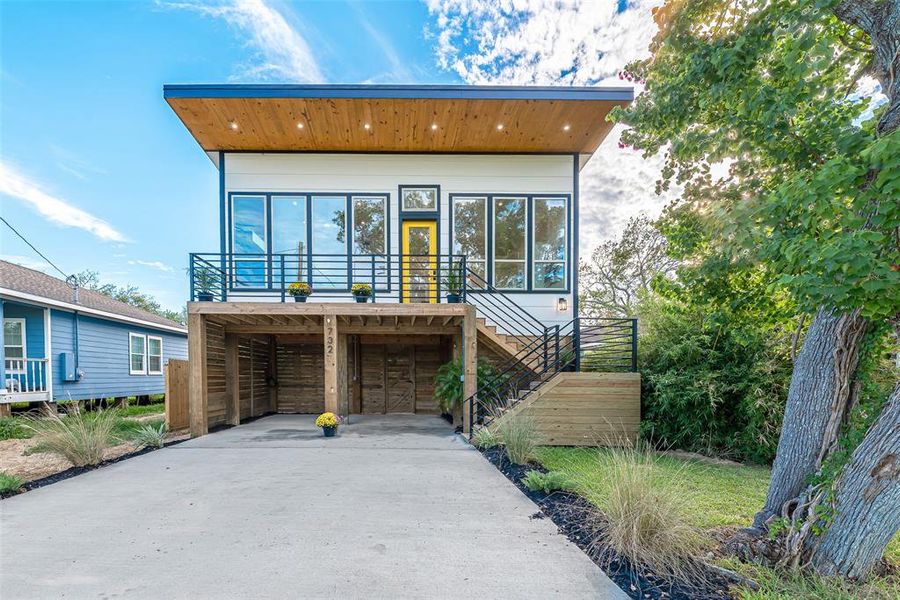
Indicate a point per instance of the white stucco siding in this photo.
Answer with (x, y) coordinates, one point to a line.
(384, 173)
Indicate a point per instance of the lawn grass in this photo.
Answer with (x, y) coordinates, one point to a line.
(722, 495)
(140, 411)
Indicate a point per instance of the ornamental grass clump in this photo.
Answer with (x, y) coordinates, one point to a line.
(646, 512)
(485, 438)
(150, 435)
(549, 482)
(9, 483)
(519, 435)
(81, 438)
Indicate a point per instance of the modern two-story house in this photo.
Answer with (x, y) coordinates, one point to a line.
(416, 225)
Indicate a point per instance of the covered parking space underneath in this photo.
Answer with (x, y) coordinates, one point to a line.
(248, 359)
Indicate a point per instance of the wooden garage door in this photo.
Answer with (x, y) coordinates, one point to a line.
(301, 378)
(398, 378)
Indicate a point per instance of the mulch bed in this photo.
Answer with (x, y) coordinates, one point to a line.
(581, 523)
(74, 471)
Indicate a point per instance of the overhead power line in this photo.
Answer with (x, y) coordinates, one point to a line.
(30, 245)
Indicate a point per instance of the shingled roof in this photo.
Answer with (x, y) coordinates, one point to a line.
(28, 281)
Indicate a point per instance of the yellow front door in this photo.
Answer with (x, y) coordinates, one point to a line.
(419, 261)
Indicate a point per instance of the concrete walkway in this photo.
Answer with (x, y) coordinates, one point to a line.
(394, 507)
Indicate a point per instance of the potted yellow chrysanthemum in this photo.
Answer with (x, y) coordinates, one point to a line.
(329, 422)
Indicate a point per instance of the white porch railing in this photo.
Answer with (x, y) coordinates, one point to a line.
(26, 375)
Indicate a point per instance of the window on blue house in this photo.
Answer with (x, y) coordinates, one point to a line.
(329, 241)
(14, 345)
(289, 239)
(550, 235)
(137, 354)
(154, 355)
(509, 243)
(248, 238)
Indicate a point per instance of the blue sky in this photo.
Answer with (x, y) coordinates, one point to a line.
(99, 174)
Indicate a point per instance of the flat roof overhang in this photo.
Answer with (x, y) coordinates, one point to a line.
(400, 118)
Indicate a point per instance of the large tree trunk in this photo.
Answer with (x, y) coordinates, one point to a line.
(867, 503)
(817, 402)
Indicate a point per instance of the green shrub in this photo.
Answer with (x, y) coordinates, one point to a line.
(151, 435)
(13, 428)
(712, 382)
(79, 437)
(9, 483)
(519, 435)
(448, 385)
(548, 482)
(646, 512)
(485, 438)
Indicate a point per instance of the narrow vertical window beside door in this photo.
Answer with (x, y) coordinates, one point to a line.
(370, 239)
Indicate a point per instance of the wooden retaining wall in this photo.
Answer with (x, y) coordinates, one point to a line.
(586, 409)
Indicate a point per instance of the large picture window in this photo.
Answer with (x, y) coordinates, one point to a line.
(329, 241)
(248, 237)
(550, 238)
(470, 234)
(509, 243)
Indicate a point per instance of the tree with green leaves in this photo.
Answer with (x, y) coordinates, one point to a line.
(129, 294)
(769, 90)
(620, 271)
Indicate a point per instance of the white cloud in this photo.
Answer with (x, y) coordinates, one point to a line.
(281, 52)
(52, 208)
(399, 70)
(153, 264)
(28, 262)
(547, 42)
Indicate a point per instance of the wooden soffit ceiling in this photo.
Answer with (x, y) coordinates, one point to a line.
(400, 118)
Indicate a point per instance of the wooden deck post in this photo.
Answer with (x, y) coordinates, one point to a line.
(336, 400)
(470, 364)
(197, 382)
(232, 380)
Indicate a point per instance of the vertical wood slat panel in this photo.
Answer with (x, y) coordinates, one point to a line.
(301, 378)
(177, 415)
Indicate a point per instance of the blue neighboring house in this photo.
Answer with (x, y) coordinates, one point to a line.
(60, 344)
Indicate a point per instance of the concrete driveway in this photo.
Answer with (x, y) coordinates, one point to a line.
(394, 507)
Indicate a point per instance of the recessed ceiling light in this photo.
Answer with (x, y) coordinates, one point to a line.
(499, 126)
(434, 126)
(233, 125)
(367, 126)
(299, 125)
(567, 127)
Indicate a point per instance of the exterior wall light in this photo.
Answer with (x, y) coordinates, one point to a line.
(562, 304)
